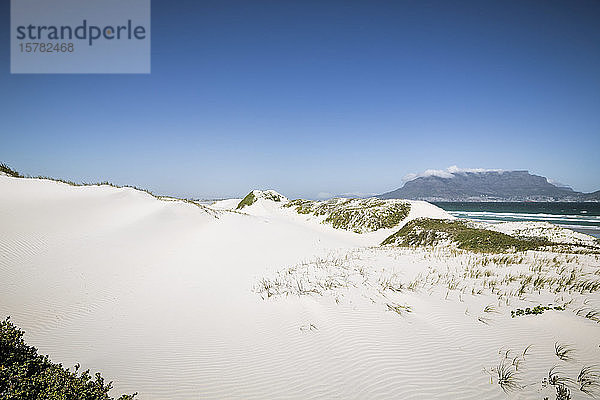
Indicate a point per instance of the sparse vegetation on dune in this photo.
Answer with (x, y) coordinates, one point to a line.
(27, 375)
(254, 195)
(9, 171)
(357, 215)
(246, 201)
(6, 169)
(317, 276)
(431, 232)
(302, 206)
(545, 272)
(522, 278)
(511, 278)
(334, 275)
(589, 313)
(507, 371)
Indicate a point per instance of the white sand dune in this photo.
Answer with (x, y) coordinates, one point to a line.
(161, 296)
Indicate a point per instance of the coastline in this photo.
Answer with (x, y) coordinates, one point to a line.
(581, 217)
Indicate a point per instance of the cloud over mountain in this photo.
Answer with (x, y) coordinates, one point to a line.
(449, 172)
(481, 184)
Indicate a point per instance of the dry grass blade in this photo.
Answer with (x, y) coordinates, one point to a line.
(526, 350)
(589, 380)
(589, 313)
(391, 283)
(398, 308)
(507, 376)
(490, 308)
(563, 351)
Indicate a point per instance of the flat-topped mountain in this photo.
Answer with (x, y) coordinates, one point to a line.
(485, 185)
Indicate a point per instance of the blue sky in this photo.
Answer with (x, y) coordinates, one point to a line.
(321, 96)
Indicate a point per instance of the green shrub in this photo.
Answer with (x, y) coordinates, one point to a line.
(429, 232)
(302, 206)
(356, 215)
(9, 171)
(371, 217)
(26, 375)
(246, 201)
(535, 310)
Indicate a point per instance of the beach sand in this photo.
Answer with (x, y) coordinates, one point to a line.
(164, 298)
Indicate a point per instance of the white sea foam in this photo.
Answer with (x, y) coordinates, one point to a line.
(589, 224)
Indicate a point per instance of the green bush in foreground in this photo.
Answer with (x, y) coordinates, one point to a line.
(429, 232)
(26, 375)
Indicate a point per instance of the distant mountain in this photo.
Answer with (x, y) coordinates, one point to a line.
(595, 196)
(485, 185)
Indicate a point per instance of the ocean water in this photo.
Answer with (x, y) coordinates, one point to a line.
(581, 217)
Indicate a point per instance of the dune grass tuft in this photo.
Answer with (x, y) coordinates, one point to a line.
(589, 313)
(399, 308)
(563, 351)
(507, 376)
(589, 380)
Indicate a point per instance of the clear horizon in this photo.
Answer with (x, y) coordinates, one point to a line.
(321, 97)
